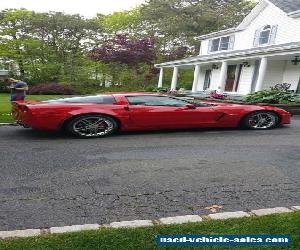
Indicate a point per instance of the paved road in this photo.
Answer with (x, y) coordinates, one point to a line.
(52, 180)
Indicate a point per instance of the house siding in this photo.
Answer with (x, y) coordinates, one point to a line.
(215, 75)
(286, 32)
(201, 79)
(274, 73)
(278, 71)
(246, 77)
(292, 75)
(279, 67)
(288, 29)
(204, 47)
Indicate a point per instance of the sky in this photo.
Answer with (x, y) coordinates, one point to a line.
(86, 8)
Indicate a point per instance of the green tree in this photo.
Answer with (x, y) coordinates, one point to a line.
(46, 46)
(15, 27)
(54, 46)
(69, 37)
(121, 22)
(176, 23)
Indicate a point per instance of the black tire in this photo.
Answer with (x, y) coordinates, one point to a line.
(91, 126)
(260, 120)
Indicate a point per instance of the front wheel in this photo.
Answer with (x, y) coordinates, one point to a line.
(261, 120)
(92, 126)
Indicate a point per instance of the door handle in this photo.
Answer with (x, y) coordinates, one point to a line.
(126, 108)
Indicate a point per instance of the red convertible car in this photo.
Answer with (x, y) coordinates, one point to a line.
(101, 115)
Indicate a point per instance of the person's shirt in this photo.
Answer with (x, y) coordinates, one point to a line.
(17, 92)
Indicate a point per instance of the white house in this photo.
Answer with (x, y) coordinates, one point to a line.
(3, 73)
(263, 50)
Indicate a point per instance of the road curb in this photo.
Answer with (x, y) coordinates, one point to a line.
(146, 223)
(228, 215)
(9, 124)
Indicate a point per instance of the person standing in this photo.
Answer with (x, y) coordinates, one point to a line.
(18, 89)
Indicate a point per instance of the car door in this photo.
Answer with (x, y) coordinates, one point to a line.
(168, 112)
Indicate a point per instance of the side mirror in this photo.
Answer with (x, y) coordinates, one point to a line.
(190, 106)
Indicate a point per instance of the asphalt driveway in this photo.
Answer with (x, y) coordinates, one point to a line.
(53, 180)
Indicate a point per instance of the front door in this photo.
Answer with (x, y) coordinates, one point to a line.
(230, 78)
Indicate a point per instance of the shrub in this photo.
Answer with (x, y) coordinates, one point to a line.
(274, 96)
(85, 88)
(186, 84)
(150, 89)
(160, 89)
(3, 88)
(52, 89)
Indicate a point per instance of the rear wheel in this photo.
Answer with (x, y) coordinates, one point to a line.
(92, 126)
(261, 120)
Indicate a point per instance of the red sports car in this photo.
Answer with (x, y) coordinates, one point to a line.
(101, 115)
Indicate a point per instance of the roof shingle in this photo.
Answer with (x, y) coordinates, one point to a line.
(287, 6)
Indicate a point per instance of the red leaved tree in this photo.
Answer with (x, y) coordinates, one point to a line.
(136, 54)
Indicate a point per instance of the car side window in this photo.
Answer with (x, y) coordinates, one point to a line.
(156, 101)
(101, 99)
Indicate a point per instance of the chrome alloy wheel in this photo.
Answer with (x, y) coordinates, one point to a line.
(93, 126)
(262, 120)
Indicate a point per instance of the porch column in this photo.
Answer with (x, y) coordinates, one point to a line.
(160, 79)
(174, 78)
(261, 74)
(223, 76)
(196, 78)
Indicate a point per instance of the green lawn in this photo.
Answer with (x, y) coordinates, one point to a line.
(144, 238)
(5, 106)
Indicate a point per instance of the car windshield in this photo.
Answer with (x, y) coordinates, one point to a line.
(103, 99)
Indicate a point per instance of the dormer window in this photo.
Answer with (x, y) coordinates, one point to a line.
(221, 44)
(215, 45)
(224, 43)
(265, 35)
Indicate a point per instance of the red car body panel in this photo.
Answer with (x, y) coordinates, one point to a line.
(52, 116)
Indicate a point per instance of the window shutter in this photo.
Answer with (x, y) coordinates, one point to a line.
(231, 42)
(273, 34)
(209, 46)
(256, 38)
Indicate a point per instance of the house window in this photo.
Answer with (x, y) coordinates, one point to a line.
(224, 43)
(220, 44)
(215, 45)
(264, 36)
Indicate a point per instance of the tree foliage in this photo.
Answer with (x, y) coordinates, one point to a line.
(177, 22)
(124, 21)
(45, 46)
(120, 48)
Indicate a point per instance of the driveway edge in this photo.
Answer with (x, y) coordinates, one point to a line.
(145, 223)
(8, 124)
